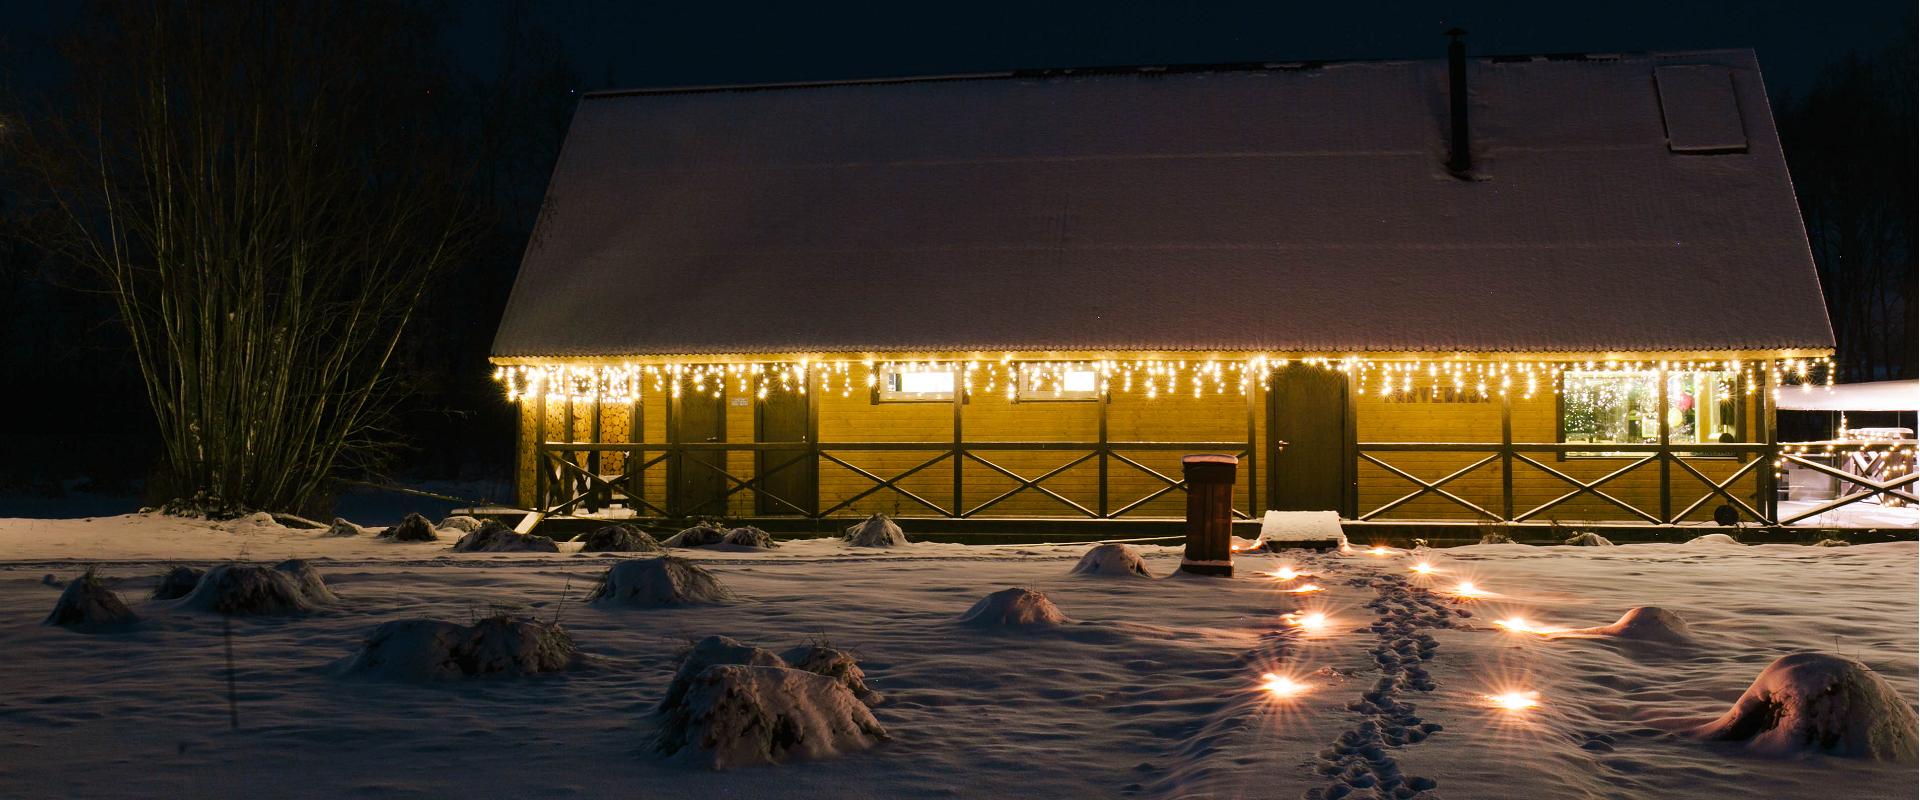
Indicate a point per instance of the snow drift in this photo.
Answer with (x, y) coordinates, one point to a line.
(700, 535)
(1814, 702)
(177, 583)
(654, 582)
(1112, 560)
(621, 538)
(876, 531)
(428, 649)
(734, 715)
(88, 605)
(412, 528)
(290, 587)
(1713, 540)
(1589, 539)
(1014, 608)
(341, 527)
(493, 537)
(1644, 624)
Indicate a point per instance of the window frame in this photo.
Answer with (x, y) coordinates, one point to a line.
(882, 394)
(1740, 421)
(1062, 396)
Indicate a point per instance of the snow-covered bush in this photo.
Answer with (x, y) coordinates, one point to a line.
(177, 583)
(1112, 560)
(840, 665)
(1645, 624)
(876, 531)
(749, 537)
(1833, 543)
(493, 537)
(291, 587)
(88, 605)
(734, 715)
(412, 528)
(710, 652)
(1588, 539)
(1014, 608)
(700, 535)
(621, 538)
(461, 523)
(662, 581)
(1814, 702)
(343, 528)
(426, 649)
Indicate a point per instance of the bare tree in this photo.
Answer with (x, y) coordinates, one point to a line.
(266, 190)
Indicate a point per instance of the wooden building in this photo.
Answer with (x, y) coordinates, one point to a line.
(1509, 289)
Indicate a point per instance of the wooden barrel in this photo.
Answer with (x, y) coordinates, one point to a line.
(1210, 480)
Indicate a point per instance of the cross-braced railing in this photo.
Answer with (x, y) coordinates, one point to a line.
(1869, 488)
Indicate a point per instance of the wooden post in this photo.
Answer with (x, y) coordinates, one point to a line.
(1209, 514)
(540, 501)
(1764, 475)
(959, 460)
(1506, 456)
(1666, 456)
(1253, 447)
(813, 442)
(1102, 401)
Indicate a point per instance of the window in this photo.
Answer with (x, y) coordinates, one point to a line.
(1616, 408)
(915, 386)
(1042, 383)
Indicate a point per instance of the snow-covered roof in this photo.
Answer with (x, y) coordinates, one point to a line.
(1615, 207)
(1872, 396)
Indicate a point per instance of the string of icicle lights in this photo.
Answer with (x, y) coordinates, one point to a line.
(1150, 378)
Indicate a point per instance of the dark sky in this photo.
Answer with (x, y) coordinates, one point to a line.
(631, 44)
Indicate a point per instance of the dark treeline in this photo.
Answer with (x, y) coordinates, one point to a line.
(74, 406)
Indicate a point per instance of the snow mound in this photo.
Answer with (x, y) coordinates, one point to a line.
(653, 582)
(834, 663)
(1713, 540)
(750, 537)
(88, 605)
(1014, 608)
(1818, 702)
(412, 528)
(461, 523)
(1588, 539)
(876, 531)
(700, 535)
(713, 651)
(493, 537)
(1112, 560)
(1495, 536)
(1644, 624)
(621, 538)
(1833, 543)
(256, 521)
(290, 587)
(343, 528)
(177, 583)
(428, 649)
(737, 715)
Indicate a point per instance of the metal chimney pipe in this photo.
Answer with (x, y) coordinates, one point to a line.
(1460, 156)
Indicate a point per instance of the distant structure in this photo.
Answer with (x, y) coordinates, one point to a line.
(1024, 296)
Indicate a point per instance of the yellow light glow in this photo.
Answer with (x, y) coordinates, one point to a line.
(1307, 589)
(1521, 625)
(1281, 686)
(1514, 701)
(1423, 568)
(1311, 622)
(1377, 550)
(1286, 573)
(1467, 589)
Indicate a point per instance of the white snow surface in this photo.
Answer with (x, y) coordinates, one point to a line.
(1154, 691)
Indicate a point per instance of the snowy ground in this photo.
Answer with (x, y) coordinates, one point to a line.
(1152, 692)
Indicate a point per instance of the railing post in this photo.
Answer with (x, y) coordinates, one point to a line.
(541, 501)
(1767, 479)
(1253, 445)
(676, 457)
(1103, 400)
(1209, 481)
(813, 444)
(959, 459)
(1506, 455)
(1665, 451)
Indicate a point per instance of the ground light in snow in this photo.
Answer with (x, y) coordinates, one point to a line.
(1305, 589)
(1286, 573)
(1421, 568)
(1518, 624)
(1513, 701)
(1466, 590)
(1378, 551)
(1308, 622)
(1282, 687)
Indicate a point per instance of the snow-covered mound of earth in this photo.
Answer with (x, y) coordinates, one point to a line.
(700, 535)
(1014, 608)
(428, 649)
(290, 587)
(1814, 702)
(620, 538)
(840, 665)
(256, 521)
(653, 582)
(88, 605)
(1833, 543)
(1713, 540)
(736, 715)
(461, 523)
(1112, 560)
(876, 531)
(750, 538)
(1589, 539)
(412, 528)
(177, 583)
(341, 527)
(711, 652)
(493, 537)
(1643, 624)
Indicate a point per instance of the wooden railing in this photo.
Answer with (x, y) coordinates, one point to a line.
(569, 478)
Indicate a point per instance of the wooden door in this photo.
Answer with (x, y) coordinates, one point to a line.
(699, 487)
(787, 477)
(1307, 410)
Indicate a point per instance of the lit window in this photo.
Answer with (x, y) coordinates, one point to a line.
(1044, 382)
(1617, 408)
(907, 386)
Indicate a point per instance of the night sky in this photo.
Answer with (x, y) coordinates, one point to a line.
(619, 44)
